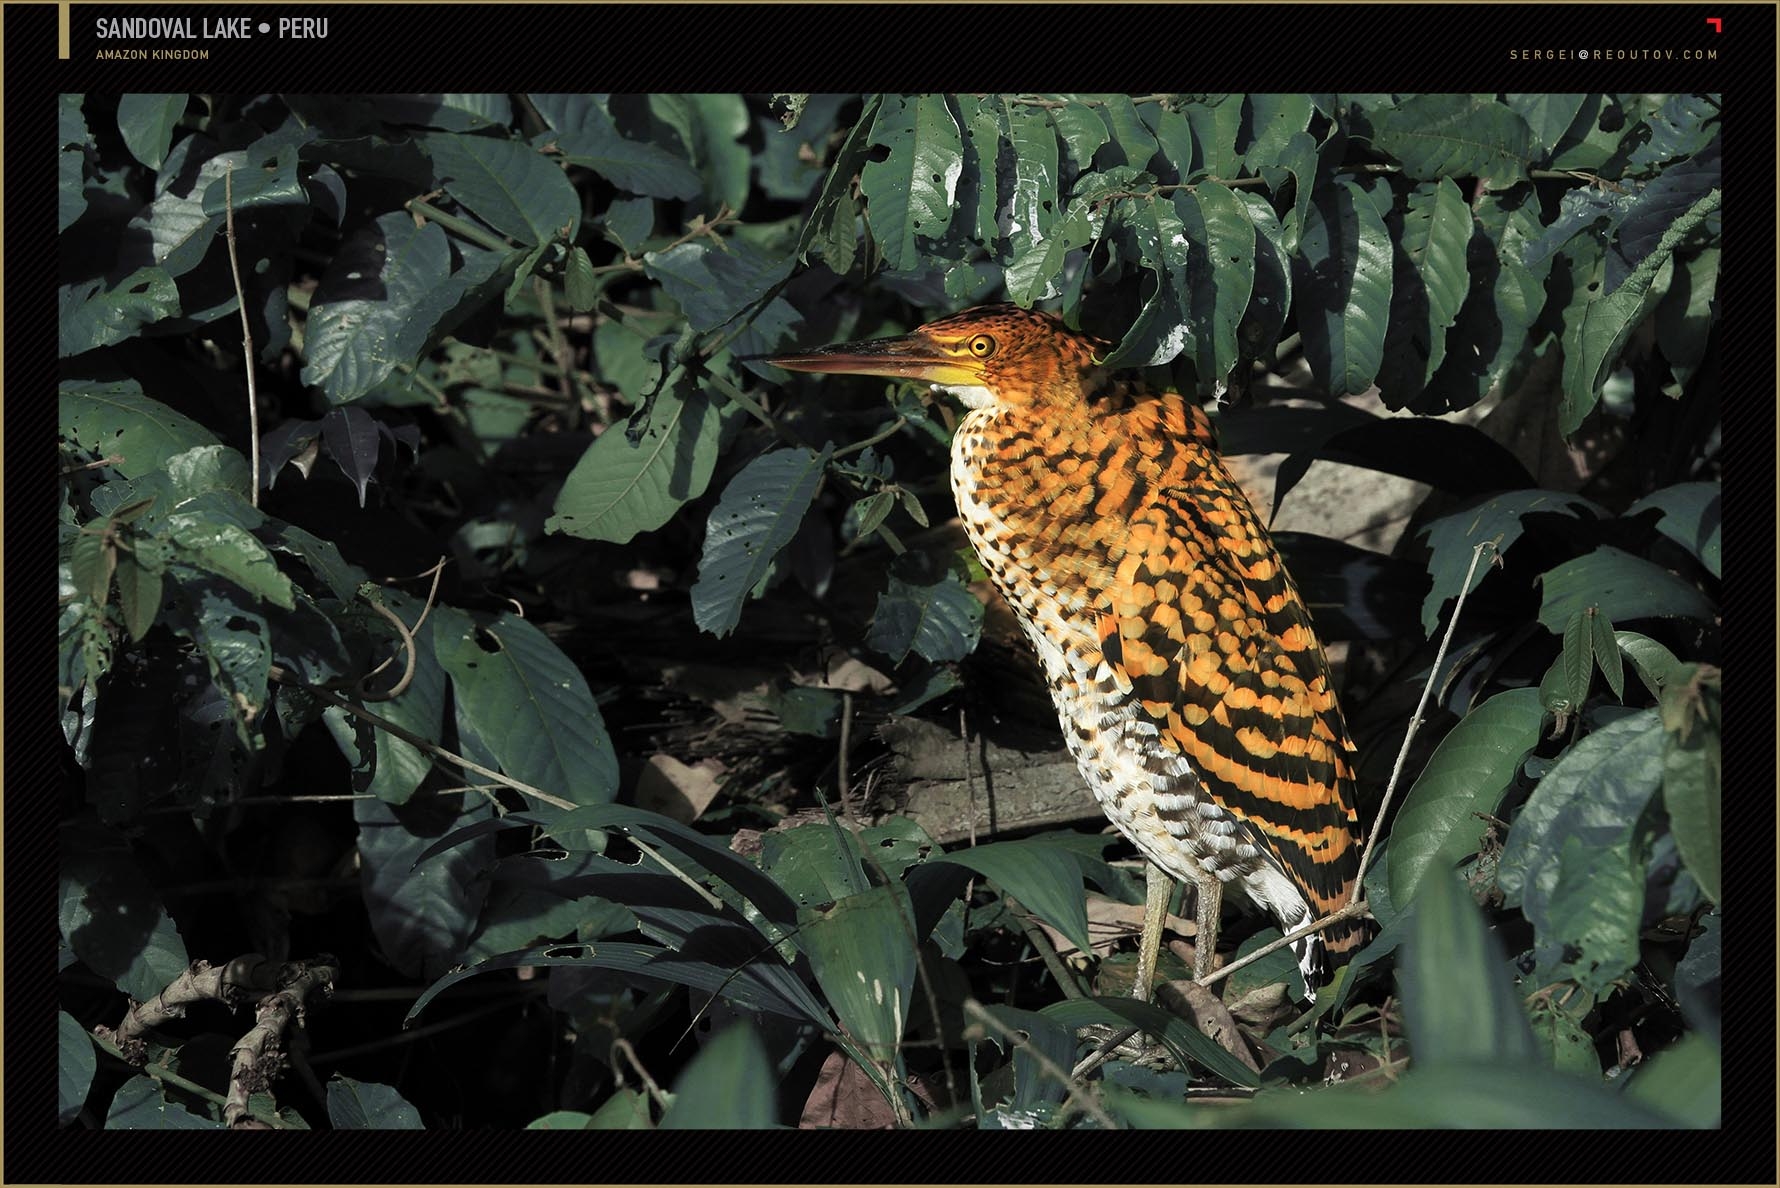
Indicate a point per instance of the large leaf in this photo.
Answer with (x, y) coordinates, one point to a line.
(710, 126)
(362, 1105)
(421, 913)
(620, 488)
(76, 1062)
(1468, 773)
(527, 705)
(1452, 540)
(586, 136)
(1684, 1082)
(1342, 276)
(1622, 587)
(378, 302)
(758, 514)
(1459, 1003)
(140, 1104)
(909, 194)
(714, 282)
(1690, 517)
(1221, 271)
(1428, 288)
(1572, 861)
(1046, 878)
(114, 419)
(728, 1086)
(862, 951)
(507, 184)
(112, 915)
(1693, 776)
(1456, 136)
(939, 619)
(90, 315)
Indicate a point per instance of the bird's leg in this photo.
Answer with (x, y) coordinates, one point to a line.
(1208, 900)
(1158, 888)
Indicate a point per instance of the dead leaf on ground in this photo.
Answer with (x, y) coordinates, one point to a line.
(678, 790)
(846, 1099)
(1201, 1007)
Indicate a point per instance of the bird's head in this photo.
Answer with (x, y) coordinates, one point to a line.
(991, 356)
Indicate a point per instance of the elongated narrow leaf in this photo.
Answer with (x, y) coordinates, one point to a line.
(147, 123)
(759, 513)
(1342, 276)
(1032, 207)
(1469, 772)
(1593, 342)
(909, 194)
(527, 705)
(1693, 779)
(1221, 272)
(1428, 289)
(619, 489)
(862, 951)
(832, 232)
(1459, 1003)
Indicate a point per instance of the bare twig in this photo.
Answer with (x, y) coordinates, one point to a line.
(630, 1054)
(842, 784)
(407, 633)
(253, 395)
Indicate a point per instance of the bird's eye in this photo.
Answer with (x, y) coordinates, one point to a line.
(982, 346)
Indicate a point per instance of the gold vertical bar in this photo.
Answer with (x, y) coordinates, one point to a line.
(63, 20)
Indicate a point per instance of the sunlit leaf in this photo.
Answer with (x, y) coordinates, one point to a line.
(1622, 587)
(758, 514)
(909, 194)
(1342, 277)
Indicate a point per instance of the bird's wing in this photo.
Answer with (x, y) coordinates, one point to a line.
(1204, 625)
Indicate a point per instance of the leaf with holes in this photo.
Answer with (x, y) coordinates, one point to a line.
(527, 705)
(862, 951)
(758, 514)
(90, 315)
(909, 194)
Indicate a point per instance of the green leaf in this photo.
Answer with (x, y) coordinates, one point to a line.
(578, 281)
(909, 195)
(1455, 136)
(71, 200)
(1452, 539)
(1683, 1083)
(1274, 121)
(1593, 342)
(587, 137)
(939, 619)
(1428, 290)
(832, 231)
(76, 1062)
(507, 184)
(1046, 878)
(1342, 277)
(1082, 132)
(862, 951)
(626, 1109)
(1690, 517)
(808, 862)
(376, 306)
(758, 514)
(1130, 136)
(1220, 272)
(234, 639)
(421, 913)
(112, 915)
(1577, 658)
(710, 126)
(1172, 1032)
(211, 533)
(363, 1105)
(88, 315)
(1568, 1044)
(138, 595)
(1468, 773)
(140, 1104)
(1216, 122)
(1548, 116)
(712, 283)
(619, 489)
(1032, 207)
(1622, 587)
(1459, 1003)
(147, 123)
(1655, 665)
(1692, 775)
(728, 1086)
(526, 704)
(1571, 861)
(1605, 646)
(1684, 312)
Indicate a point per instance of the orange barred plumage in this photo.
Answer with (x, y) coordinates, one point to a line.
(1186, 672)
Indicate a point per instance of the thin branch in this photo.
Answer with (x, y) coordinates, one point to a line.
(253, 394)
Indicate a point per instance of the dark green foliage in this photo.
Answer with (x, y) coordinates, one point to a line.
(527, 334)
